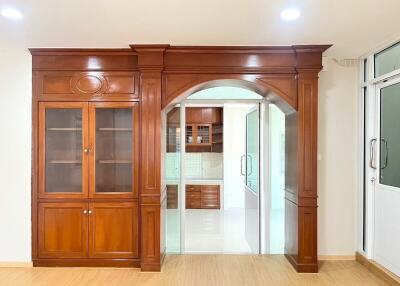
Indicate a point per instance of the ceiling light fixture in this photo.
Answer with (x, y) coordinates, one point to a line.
(290, 14)
(11, 13)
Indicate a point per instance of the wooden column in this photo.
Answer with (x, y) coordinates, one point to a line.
(150, 63)
(301, 195)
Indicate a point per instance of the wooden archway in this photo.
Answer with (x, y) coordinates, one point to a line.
(291, 72)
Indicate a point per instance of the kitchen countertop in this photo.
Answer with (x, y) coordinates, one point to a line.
(197, 181)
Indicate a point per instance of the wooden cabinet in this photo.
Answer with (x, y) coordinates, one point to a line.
(113, 231)
(88, 183)
(202, 197)
(172, 196)
(88, 230)
(210, 197)
(63, 230)
(204, 127)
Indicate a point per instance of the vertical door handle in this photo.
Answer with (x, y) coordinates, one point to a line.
(241, 165)
(251, 165)
(372, 143)
(385, 162)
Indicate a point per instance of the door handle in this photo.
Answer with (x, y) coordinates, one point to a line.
(251, 165)
(241, 165)
(372, 143)
(386, 153)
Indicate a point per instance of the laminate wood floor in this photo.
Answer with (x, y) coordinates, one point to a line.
(196, 270)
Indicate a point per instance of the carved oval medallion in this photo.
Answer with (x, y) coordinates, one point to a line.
(89, 84)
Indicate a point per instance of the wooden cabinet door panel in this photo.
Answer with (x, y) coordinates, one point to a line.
(63, 162)
(113, 230)
(114, 150)
(63, 230)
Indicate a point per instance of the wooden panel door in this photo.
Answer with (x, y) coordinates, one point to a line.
(113, 230)
(63, 151)
(114, 150)
(63, 230)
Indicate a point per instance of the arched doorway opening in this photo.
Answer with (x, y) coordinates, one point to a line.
(244, 160)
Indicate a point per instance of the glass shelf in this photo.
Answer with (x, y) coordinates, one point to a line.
(64, 162)
(114, 161)
(114, 129)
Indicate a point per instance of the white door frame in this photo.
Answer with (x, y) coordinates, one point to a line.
(372, 131)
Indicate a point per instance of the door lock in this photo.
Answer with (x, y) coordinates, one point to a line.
(373, 179)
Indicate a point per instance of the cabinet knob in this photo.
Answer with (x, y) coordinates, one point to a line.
(90, 211)
(86, 150)
(85, 211)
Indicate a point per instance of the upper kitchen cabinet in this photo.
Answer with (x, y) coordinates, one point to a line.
(204, 127)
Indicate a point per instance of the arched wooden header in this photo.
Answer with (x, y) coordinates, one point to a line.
(168, 73)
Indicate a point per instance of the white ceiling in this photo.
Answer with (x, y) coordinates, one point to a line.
(353, 26)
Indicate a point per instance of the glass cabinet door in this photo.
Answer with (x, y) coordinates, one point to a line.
(114, 149)
(62, 157)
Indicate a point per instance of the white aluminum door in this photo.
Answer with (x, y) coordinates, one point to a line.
(385, 160)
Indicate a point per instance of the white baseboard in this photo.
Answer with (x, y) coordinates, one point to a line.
(15, 264)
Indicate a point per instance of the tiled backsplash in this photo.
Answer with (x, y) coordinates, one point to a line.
(198, 166)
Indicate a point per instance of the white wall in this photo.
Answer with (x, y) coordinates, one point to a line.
(336, 177)
(337, 165)
(15, 155)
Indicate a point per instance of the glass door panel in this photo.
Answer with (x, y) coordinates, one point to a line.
(252, 179)
(62, 161)
(172, 168)
(390, 136)
(252, 150)
(114, 154)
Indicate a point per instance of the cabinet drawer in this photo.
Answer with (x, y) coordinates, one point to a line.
(193, 195)
(210, 189)
(193, 188)
(193, 205)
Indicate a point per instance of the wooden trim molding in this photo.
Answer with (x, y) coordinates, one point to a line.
(378, 270)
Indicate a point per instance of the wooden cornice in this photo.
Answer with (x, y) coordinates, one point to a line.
(80, 51)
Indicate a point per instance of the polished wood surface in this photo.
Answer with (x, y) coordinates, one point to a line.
(202, 197)
(172, 196)
(86, 79)
(43, 106)
(387, 276)
(134, 158)
(150, 66)
(63, 230)
(88, 85)
(183, 270)
(113, 231)
(158, 76)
